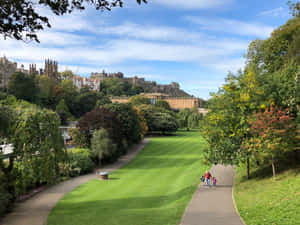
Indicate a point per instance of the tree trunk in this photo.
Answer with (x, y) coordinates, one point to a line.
(248, 168)
(273, 168)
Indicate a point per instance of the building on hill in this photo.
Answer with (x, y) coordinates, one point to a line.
(7, 68)
(175, 103)
(91, 83)
(51, 69)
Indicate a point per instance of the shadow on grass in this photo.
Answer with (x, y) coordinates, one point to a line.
(161, 163)
(85, 207)
(264, 172)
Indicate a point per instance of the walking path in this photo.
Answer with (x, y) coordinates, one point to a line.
(214, 205)
(35, 211)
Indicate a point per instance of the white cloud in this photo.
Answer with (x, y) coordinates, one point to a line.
(277, 12)
(150, 32)
(232, 26)
(192, 4)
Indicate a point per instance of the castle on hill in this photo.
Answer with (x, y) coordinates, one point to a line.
(7, 68)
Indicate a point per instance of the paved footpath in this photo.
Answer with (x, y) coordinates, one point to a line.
(214, 205)
(35, 210)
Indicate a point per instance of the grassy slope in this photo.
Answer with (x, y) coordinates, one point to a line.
(263, 201)
(154, 188)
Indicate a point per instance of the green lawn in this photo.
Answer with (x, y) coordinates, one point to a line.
(154, 189)
(264, 201)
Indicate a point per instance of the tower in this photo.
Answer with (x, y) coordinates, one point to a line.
(51, 69)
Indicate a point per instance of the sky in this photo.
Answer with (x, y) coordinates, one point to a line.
(192, 42)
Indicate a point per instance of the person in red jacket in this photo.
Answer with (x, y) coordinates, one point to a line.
(207, 177)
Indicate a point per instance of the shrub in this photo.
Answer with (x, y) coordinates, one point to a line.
(5, 196)
(102, 146)
(80, 162)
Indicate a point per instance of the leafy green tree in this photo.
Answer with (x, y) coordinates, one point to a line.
(162, 104)
(184, 118)
(21, 19)
(47, 95)
(23, 86)
(158, 119)
(102, 145)
(129, 119)
(112, 87)
(63, 112)
(85, 102)
(102, 100)
(139, 100)
(101, 118)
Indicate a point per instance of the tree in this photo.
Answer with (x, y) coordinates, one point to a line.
(158, 119)
(23, 86)
(63, 112)
(184, 117)
(272, 134)
(97, 119)
(129, 119)
(139, 100)
(102, 145)
(162, 104)
(48, 92)
(85, 102)
(21, 19)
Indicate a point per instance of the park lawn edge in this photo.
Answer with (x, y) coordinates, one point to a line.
(263, 200)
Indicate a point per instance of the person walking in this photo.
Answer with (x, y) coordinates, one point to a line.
(214, 181)
(207, 177)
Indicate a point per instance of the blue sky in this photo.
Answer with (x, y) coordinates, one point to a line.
(192, 42)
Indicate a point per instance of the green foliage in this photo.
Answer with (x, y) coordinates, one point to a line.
(63, 112)
(78, 139)
(139, 100)
(23, 86)
(103, 100)
(270, 78)
(102, 146)
(48, 92)
(21, 20)
(114, 87)
(129, 119)
(162, 104)
(101, 118)
(158, 119)
(80, 161)
(6, 199)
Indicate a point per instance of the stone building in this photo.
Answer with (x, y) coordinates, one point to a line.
(175, 103)
(7, 68)
(51, 69)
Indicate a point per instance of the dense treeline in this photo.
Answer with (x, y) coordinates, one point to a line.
(255, 116)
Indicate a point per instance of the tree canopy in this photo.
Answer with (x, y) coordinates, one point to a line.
(21, 19)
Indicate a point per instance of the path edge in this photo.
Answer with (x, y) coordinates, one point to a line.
(233, 199)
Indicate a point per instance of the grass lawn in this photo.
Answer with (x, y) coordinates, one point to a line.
(264, 201)
(153, 189)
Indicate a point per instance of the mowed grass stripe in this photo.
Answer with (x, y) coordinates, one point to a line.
(154, 188)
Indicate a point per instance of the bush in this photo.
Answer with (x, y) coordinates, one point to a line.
(80, 162)
(5, 196)
(102, 146)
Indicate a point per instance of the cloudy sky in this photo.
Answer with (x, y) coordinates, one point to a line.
(192, 42)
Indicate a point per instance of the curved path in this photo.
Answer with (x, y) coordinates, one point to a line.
(35, 211)
(214, 205)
